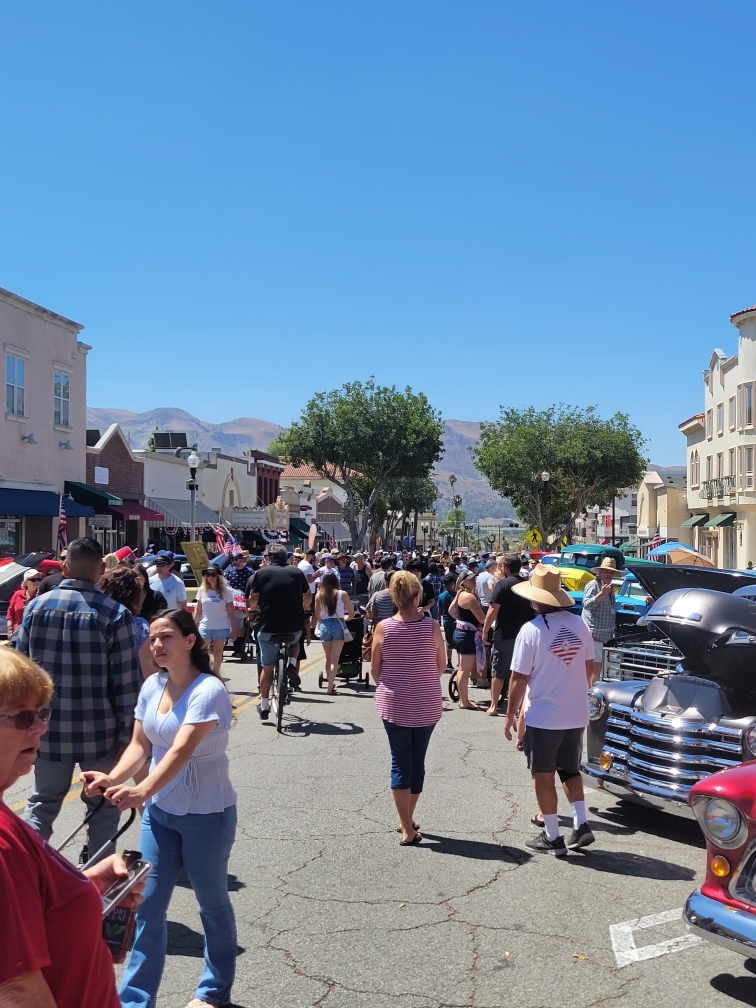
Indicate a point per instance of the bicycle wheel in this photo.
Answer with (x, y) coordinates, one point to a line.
(275, 699)
(283, 689)
(453, 688)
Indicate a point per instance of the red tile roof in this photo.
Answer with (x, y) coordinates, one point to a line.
(301, 472)
(743, 312)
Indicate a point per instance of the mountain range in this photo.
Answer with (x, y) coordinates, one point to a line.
(479, 499)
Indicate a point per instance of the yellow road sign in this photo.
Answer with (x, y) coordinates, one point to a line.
(534, 537)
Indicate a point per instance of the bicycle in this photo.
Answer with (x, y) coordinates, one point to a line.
(281, 690)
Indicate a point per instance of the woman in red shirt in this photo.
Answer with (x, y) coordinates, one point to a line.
(52, 954)
(18, 600)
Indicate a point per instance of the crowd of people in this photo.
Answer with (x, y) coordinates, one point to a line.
(109, 671)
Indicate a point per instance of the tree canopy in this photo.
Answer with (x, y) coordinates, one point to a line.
(365, 438)
(588, 461)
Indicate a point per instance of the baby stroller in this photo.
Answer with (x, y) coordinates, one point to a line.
(350, 660)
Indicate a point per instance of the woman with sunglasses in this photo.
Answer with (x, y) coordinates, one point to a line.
(52, 954)
(19, 599)
(214, 615)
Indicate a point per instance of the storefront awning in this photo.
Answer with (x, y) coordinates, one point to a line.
(39, 503)
(129, 511)
(91, 496)
(178, 512)
(721, 520)
(336, 530)
(298, 529)
(694, 520)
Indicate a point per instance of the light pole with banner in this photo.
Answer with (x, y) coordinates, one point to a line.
(193, 462)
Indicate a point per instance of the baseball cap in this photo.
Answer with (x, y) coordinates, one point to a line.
(165, 553)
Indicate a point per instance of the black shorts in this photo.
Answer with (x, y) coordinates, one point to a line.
(548, 748)
(501, 658)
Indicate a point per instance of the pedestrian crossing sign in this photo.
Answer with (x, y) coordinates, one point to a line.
(534, 537)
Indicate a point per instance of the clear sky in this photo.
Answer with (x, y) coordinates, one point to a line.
(494, 202)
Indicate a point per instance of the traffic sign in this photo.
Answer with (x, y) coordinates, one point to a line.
(534, 537)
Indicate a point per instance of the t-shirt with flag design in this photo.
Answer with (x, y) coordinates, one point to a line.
(553, 650)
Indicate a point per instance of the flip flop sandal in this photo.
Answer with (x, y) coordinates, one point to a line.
(414, 842)
(415, 826)
(538, 822)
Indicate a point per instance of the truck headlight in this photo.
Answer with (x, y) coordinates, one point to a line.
(750, 739)
(722, 823)
(596, 703)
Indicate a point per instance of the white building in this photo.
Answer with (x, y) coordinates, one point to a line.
(721, 442)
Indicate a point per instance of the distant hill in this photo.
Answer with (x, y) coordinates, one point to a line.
(480, 500)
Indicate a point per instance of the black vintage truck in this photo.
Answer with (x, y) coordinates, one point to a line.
(677, 701)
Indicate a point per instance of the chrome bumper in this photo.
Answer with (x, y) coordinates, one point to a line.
(718, 923)
(649, 797)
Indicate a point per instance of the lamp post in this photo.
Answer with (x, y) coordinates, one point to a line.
(193, 462)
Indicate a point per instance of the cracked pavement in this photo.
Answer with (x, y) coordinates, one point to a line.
(333, 913)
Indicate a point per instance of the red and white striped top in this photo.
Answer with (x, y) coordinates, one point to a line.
(409, 691)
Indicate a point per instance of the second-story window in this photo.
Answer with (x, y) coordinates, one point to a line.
(720, 418)
(731, 470)
(732, 413)
(720, 465)
(748, 406)
(709, 460)
(694, 465)
(749, 468)
(14, 384)
(61, 398)
(709, 422)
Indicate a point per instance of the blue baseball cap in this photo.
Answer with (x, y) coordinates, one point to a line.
(165, 553)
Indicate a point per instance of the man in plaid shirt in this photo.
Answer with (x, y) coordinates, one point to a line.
(598, 608)
(86, 641)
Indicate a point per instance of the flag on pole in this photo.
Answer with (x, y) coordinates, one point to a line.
(656, 541)
(225, 542)
(62, 528)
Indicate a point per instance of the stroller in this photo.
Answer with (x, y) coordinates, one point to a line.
(350, 660)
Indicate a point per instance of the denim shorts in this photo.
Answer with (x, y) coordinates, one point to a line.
(269, 648)
(330, 629)
(463, 642)
(212, 635)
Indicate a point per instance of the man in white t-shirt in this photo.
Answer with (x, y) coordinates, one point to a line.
(169, 584)
(486, 584)
(553, 661)
(307, 566)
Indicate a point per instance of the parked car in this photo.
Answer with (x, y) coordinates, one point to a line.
(722, 910)
(677, 702)
(631, 603)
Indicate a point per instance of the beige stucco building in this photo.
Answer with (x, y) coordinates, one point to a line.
(662, 503)
(720, 453)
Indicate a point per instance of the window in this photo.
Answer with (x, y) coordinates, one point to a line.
(748, 419)
(709, 460)
(61, 399)
(731, 463)
(709, 422)
(720, 465)
(740, 468)
(749, 468)
(695, 474)
(14, 384)
(732, 413)
(720, 418)
(230, 498)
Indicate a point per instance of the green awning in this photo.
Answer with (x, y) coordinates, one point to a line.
(91, 496)
(695, 520)
(298, 529)
(721, 520)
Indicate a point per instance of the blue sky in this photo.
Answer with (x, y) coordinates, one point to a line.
(496, 203)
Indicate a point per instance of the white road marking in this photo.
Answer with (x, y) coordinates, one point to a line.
(623, 938)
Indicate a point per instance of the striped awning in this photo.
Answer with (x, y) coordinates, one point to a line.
(178, 512)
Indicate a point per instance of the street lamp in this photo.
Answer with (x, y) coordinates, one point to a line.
(545, 477)
(193, 462)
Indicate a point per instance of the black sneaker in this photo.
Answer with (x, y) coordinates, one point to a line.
(543, 845)
(581, 837)
(263, 713)
(294, 680)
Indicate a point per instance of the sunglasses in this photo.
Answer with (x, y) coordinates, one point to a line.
(25, 718)
(161, 563)
(33, 580)
(209, 574)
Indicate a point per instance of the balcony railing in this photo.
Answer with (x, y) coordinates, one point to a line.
(724, 486)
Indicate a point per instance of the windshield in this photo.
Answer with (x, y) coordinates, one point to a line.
(578, 560)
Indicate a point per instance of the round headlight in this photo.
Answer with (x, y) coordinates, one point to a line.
(722, 823)
(750, 738)
(596, 703)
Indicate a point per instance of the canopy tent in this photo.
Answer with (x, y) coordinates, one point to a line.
(667, 547)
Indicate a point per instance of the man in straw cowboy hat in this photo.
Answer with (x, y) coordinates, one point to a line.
(598, 607)
(553, 661)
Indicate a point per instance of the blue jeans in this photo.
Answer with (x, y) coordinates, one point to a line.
(408, 749)
(201, 844)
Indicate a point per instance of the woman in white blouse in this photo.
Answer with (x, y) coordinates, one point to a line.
(182, 720)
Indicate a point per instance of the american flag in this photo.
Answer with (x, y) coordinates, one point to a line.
(62, 528)
(566, 645)
(225, 542)
(656, 541)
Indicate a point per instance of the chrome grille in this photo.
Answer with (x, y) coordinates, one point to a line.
(657, 752)
(640, 662)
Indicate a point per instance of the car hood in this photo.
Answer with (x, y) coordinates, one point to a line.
(659, 578)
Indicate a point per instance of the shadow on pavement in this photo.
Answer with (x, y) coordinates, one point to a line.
(234, 884)
(303, 728)
(185, 942)
(624, 863)
(476, 849)
(637, 819)
(742, 989)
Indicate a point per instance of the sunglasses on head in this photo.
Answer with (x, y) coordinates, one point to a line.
(25, 718)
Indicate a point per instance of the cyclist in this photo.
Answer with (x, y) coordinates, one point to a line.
(281, 594)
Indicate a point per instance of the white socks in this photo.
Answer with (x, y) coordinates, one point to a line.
(551, 825)
(264, 704)
(578, 813)
(293, 662)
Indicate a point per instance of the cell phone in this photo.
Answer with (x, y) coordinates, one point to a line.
(137, 871)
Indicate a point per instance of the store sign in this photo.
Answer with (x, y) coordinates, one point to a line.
(101, 521)
(102, 475)
(282, 520)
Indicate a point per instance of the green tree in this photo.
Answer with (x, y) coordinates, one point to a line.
(588, 461)
(362, 437)
(277, 446)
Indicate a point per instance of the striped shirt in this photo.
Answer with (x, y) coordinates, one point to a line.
(409, 690)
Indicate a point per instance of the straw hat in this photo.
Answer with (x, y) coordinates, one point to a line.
(545, 586)
(609, 565)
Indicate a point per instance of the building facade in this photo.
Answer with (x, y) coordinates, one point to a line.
(663, 509)
(43, 432)
(721, 443)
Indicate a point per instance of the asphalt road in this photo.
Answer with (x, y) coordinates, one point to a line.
(333, 912)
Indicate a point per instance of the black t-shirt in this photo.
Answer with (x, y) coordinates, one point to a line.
(280, 590)
(514, 610)
(51, 581)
